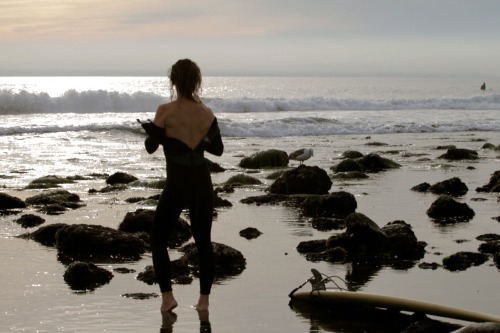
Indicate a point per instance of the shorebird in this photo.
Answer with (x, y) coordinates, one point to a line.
(301, 155)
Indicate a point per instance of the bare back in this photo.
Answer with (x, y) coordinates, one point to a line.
(185, 120)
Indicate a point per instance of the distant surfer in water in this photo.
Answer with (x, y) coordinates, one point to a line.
(483, 86)
(186, 128)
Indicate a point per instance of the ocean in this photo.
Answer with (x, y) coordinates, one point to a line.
(69, 126)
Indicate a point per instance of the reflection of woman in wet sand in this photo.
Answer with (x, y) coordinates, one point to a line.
(169, 318)
(186, 128)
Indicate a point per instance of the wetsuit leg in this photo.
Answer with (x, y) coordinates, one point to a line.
(201, 215)
(167, 213)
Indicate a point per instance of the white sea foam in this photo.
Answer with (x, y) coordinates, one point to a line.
(101, 101)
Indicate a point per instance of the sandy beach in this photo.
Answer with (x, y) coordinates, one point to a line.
(36, 298)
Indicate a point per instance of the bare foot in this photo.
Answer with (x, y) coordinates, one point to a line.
(168, 302)
(202, 304)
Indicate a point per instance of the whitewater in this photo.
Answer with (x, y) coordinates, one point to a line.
(256, 107)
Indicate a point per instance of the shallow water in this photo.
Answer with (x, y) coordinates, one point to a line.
(35, 298)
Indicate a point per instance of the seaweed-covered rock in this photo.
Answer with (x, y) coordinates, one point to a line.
(333, 204)
(457, 154)
(447, 210)
(460, 261)
(120, 178)
(45, 235)
(86, 276)
(142, 220)
(453, 186)
(29, 220)
(271, 158)
(55, 197)
(375, 163)
(493, 185)
(228, 261)
(9, 202)
(84, 240)
(303, 179)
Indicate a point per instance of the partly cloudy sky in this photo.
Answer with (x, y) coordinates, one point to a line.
(257, 37)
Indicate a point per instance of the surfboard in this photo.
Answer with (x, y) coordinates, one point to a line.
(339, 295)
(335, 297)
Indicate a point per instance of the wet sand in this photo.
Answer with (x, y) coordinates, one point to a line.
(36, 298)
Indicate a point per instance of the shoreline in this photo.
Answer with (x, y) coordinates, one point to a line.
(274, 267)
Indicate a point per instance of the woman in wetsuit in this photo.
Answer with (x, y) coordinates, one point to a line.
(185, 128)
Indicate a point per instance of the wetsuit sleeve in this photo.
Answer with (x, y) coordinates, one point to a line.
(155, 137)
(213, 140)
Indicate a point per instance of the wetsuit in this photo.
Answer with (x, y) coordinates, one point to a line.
(188, 185)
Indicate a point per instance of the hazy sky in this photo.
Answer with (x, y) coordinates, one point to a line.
(251, 37)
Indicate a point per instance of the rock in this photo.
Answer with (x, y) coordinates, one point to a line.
(493, 185)
(55, 197)
(496, 260)
(457, 154)
(179, 269)
(250, 233)
(366, 238)
(242, 179)
(86, 276)
(83, 240)
(350, 175)
(338, 204)
(50, 181)
(488, 237)
(328, 223)
(423, 187)
(142, 221)
(220, 202)
(352, 154)
(29, 220)
(453, 186)
(303, 179)
(426, 265)
(141, 296)
(271, 158)
(268, 199)
(312, 246)
(9, 202)
(109, 188)
(491, 247)
(402, 242)
(120, 178)
(123, 270)
(348, 165)
(460, 261)
(447, 210)
(332, 255)
(375, 163)
(214, 167)
(45, 235)
(228, 261)
(364, 241)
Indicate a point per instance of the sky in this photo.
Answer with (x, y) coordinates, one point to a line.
(251, 38)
